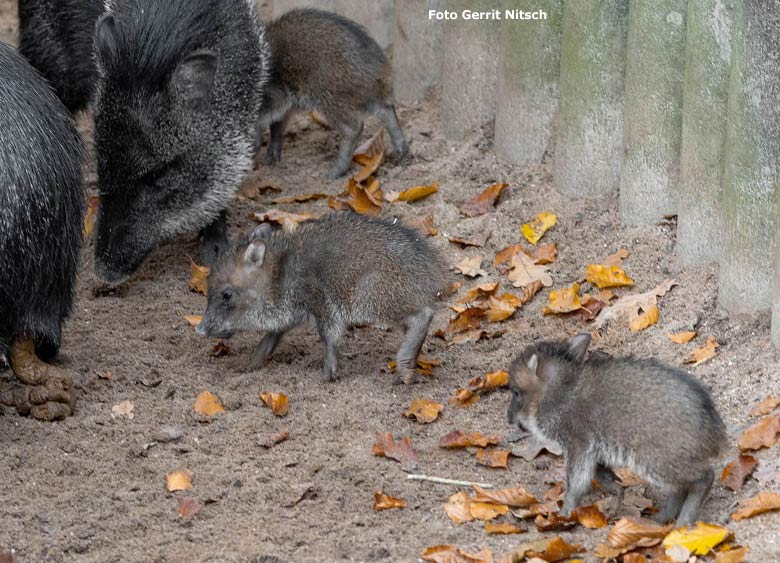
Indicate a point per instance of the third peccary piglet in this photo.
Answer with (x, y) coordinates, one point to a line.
(339, 272)
(619, 412)
(325, 62)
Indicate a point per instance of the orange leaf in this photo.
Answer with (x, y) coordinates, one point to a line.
(424, 411)
(386, 502)
(413, 194)
(608, 276)
(207, 404)
(464, 398)
(504, 257)
(288, 221)
(534, 230)
(360, 199)
(617, 258)
(645, 319)
(178, 481)
(198, 277)
(734, 555)
(193, 320)
(503, 307)
(93, 203)
(545, 254)
(487, 510)
(537, 509)
(682, 337)
(424, 365)
(458, 439)
(425, 225)
(300, 198)
(277, 402)
(553, 522)
(370, 165)
(629, 533)
(479, 292)
(188, 508)
(766, 406)
(457, 508)
(563, 301)
(386, 446)
(590, 517)
(489, 381)
(450, 554)
(763, 434)
(514, 496)
(706, 352)
(470, 319)
(736, 472)
(493, 458)
(483, 202)
(502, 528)
(762, 502)
(557, 550)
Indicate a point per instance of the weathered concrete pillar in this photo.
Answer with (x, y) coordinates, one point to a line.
(528, 72)
(750, 222)
(469, 69)
(589, 141)
(653, 109)
(377, 16)
(417, 49)
(705, 99)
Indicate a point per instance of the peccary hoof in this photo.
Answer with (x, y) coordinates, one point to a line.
(46, 348)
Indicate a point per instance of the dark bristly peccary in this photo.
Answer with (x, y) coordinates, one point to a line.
(341, 271)
(619, 412)
(179, 89)
(41, 221)
(325, 62)
(56, 37)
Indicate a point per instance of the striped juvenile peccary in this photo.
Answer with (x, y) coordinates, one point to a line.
(339, 272)
(325, 62)
(619, 412)
(41, 222)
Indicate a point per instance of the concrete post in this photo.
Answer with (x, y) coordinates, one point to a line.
(653, 109)
(705, 99)
(417, 49)
(528, 73)
(589, 142)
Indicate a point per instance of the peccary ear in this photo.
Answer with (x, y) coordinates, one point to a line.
(105, 38)
(578, 345)
(255, 253)
(193, 78)
(261, 232)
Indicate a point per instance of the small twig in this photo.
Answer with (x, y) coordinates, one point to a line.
(442, 480)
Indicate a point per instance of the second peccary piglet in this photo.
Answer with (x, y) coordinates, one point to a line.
(339, 272)
(325, 62)
(619, 412)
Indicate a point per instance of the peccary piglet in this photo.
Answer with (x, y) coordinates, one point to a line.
(41, 220)
(338, 272)
(325, 62)
(619, 412)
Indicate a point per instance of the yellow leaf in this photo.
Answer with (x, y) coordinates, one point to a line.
(457, 508)
(645, 319)
(762, 502)
(178, 481)
(277, 402)
(193, 320)
(682, 337)
(424, 411)
(565, 300)
(608, 276)
(502, 528)
(207, 404)
(534, 230)
(386, 502)
(699, 540)
(198, 277)
(706, 352)
(413, 194)
(487, 510)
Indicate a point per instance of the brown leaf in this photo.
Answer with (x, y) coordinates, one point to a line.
(545, 254)
(497, 459)
(300, 198)
(207, 404)
(366, 200)
(590, 307)
(502, 261)
(557, 550)
(502, 528)
(590, 517)
(424, 365)
(413, 194)
(457, 508)
(370, 165)
(489, 381)
(502, 307)
(277, 402)
(763, 434)
(564, 300)
(386, 446)
(487, 510)
(188, 508)
(386, 502)
(424, 411)
(425, 225)
(288, 221)
(220, 349)
(630, 306)
(450, 554)
(458, 439)
(464, 398)
(470, 319)
(178, 481)
(553, 522)
(762, 502)
(537, 509)
(608, 276)
(554, 493)
(682, 337)
(733, 555)
(483, 202)
(736, 473)
(480, 292)
(645, 319)
(524, 272)
(471, 267)
(706, 352)
(251, 189)
(373, 146)
(93, 203)
(766, 406)
(629, 533)
(517, 496)
(477, 241)
(627, 478)
(617, 258)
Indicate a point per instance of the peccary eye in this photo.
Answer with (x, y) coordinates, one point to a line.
(227, 295)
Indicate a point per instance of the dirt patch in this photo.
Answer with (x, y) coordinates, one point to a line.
(92, 488)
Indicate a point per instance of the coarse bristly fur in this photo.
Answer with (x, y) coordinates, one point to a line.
(338, 272)
(41, 207)
(179, 89)
(325, 62)
(619, 412)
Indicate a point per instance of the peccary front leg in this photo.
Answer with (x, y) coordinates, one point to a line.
(672, 507)
(386, 114)
(697, 492)
(350, 134)
(266, 347)
(331, 336)
(406, 359)
(274, 153)
(46, 393)
(214, 240)
(580, 468)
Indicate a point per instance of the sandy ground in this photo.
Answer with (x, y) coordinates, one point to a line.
(92, 488)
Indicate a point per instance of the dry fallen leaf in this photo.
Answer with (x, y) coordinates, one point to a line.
(733, 555)
(764, 501)
(370, 165)
(630, 533)
(534, 230)
(125, 408)
(366, 200)
(590, 307)
(545, 254)
(207, 404)
(706, 352)
(564, 300)
(648, 317)
(608, 276)
(251, 189)
(617, 258)
(372, 146)
(736, 472)
(590, 517)
(424, 411)
(502, 260)
(699, 539)
(458, 439)
(489, 381)
(425, 225)
(450, 554)
(630, 305)
(188, 508)
(277, 402)
(457, 508)
(300, 198)
(524, 272)
(193, 320)
(502, 528)
(464, 398)
(483, 202)
(476, 241)
(471, 267)
(487, 510)
(386, 502)
(763, 434)
(413, 194)
(288, 221)
(517, 497)
(467, 320)
(553, 522)
(537, 509)
(93, 203)
(198, 277)
(386, 446)
(766, 406)
(220, 350)
(556, 550)
(480, 292)
(424, 365)
(502, 307)
(682, 337)
(497, 459)
(178, 481)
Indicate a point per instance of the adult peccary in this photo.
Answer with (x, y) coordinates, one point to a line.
(41, 222)
(179, 88)
(619, 412)
(56, 37)
(341, 271)
(325, 62)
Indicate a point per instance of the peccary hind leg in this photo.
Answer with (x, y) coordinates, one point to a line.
(406, 359)
(274, 153)
(387, 115)
(266, 347)
(331, 337)
(46, 391)
(350, 134)
(697, 492)
(214, 240)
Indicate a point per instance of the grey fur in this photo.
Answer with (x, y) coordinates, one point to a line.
(619, 412)
(341, 271)
(328, 63)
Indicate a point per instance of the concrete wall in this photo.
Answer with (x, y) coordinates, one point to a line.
(417, 49)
